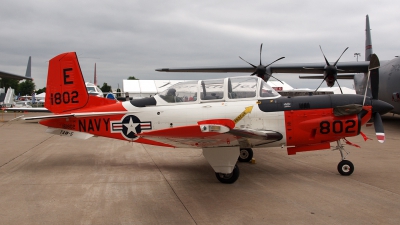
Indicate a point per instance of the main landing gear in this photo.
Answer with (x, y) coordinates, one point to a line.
(345, 167)
(228, 178)
(246, 154)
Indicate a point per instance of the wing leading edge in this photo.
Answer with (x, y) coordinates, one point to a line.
(210, 133)
(346, 67)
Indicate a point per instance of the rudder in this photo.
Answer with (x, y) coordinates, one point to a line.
(65, 89)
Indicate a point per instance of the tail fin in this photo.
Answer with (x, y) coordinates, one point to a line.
(28, 69)
(368, 41)
(65, 90)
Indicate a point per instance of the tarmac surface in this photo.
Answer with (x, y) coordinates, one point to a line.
(49, 179)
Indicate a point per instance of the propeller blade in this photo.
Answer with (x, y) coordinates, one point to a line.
(248, 62)
(327, 63)
(260, 52)
(319, 85)
(277, 79)
(380, 134)
(373, 67)
(366, 87)
(274, 62)
(339, 86)
(340, 56)
(374, 62)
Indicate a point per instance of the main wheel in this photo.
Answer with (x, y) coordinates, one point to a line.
(345, 168)
(228, 178)
(246, 154)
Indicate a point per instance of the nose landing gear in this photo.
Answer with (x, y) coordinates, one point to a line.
(345, 167)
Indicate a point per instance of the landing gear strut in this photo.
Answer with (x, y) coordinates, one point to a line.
(228, 178)
(246, 154)
(345, 167)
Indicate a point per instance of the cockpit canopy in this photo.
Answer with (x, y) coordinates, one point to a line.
(238, 88)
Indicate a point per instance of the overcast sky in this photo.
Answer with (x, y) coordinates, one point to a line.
(133, 38)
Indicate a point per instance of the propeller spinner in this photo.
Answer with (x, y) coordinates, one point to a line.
(261, 70)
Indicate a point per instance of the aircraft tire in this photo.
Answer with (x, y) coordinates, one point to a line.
(246, 154)
(345, 168)
(228, 178)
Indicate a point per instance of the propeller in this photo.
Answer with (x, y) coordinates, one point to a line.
(378, 106)
(330, 71)
(261, 70)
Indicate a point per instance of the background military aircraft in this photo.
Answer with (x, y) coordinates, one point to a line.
(19, 77)
(389, 72)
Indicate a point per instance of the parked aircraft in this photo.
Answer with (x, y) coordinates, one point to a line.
(26, 106)
(19, 77)
(225, 117)
(389, 75)
(389, 72)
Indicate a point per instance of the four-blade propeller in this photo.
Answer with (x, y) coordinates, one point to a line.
(377, 105)
(261, 70)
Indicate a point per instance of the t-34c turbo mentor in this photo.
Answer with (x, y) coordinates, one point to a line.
(225, 117)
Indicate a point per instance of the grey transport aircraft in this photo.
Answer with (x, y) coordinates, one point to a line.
(388, 73)
(19, 77)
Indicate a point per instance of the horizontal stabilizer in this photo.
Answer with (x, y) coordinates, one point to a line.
(69, 133)
(54, 116)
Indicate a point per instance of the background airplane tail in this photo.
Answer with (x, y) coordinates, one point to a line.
(368, 41)
(28, 69)
(360, 80)
(65, 90)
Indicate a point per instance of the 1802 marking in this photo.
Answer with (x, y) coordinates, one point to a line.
(65, 97)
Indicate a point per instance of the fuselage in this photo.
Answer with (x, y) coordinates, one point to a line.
(262, 117)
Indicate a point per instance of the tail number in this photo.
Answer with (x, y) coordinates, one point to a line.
(337, 126)
(64, 97)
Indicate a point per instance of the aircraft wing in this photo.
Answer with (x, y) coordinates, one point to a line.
(347, 67)
(209, 133)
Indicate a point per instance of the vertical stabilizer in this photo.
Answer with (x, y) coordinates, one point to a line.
(65, 89)
(9, 99)
(28, 68)
(95, 75)
(368, 42)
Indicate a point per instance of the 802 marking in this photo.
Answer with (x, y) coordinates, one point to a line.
(337, 126)
(65, 97)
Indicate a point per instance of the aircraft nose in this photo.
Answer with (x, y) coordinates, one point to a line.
(381, 107)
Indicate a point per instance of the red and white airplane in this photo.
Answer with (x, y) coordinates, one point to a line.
(225, 117)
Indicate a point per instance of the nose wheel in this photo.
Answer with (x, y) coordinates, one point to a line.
(246, 154)
(345, 167)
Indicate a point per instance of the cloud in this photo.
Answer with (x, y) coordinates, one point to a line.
(133, 38)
